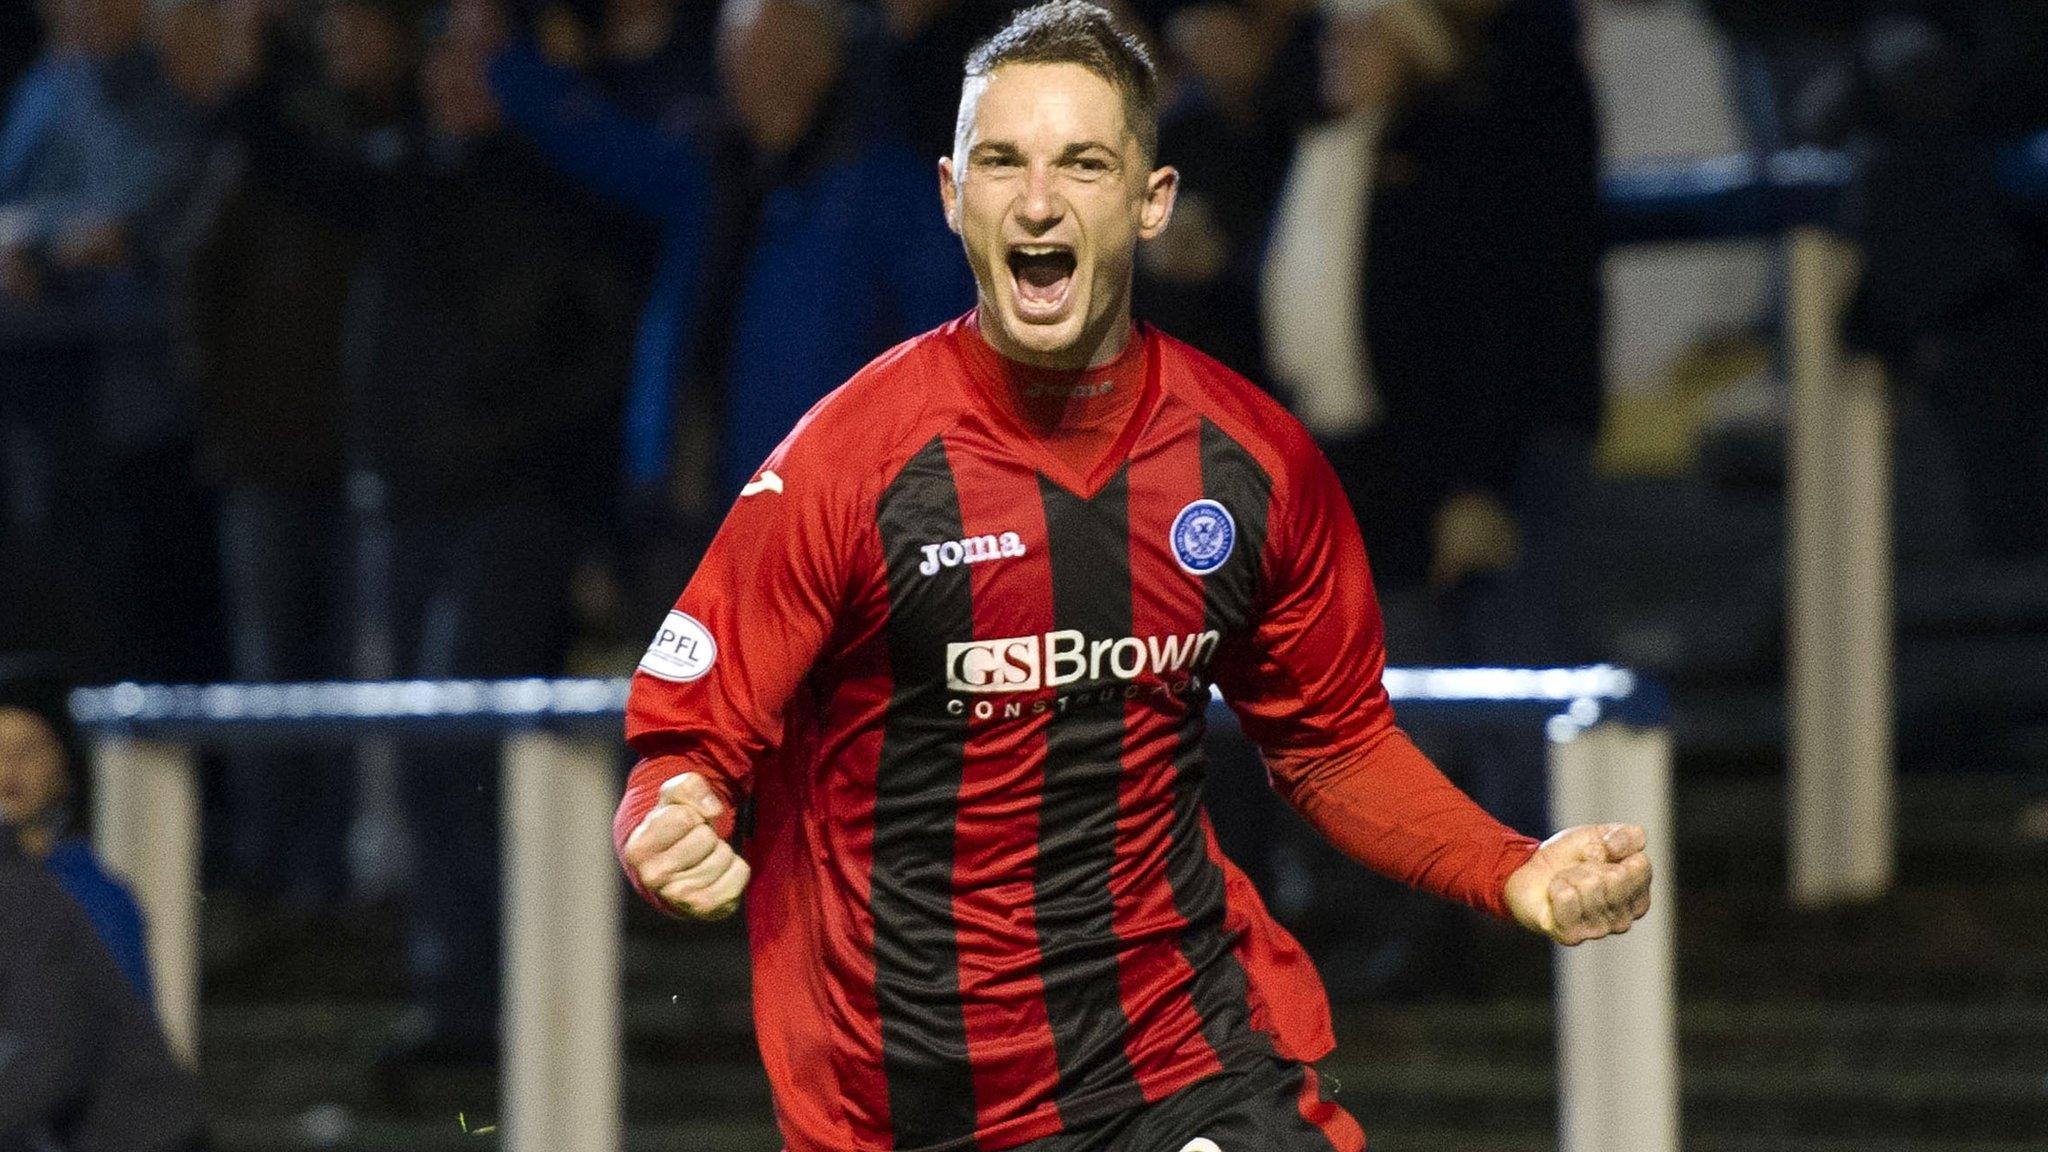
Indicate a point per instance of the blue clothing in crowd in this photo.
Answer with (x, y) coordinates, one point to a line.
(87, 139)
(849, 254)
(116, 919)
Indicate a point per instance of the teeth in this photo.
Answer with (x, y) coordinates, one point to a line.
(1039, 249)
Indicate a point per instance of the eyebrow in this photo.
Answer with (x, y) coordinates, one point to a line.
(1004, 148)
(1077, 150)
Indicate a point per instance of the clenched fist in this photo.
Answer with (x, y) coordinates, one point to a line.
(1583, 883)
(677, 854)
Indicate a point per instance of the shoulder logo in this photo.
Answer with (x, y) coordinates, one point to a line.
(682, 650)
(767, 481)
(1203, 535)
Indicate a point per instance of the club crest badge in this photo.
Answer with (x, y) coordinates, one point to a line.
(1203, 535)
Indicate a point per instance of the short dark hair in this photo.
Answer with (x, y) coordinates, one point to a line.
(1077, 32)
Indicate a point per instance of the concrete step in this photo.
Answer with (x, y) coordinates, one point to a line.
(1872, 1102)
(1806, 1068)
(1930, 1034)
(286, 1133)
(1731, 1107)
(342, 1130)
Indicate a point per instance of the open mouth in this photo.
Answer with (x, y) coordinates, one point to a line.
(1044, 273)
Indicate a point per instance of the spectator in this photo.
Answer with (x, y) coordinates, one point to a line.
(83, 1066)
(656, 58)
(1953, 294)
(807, 209)
(1482, 325)
(1247, 85)
(1313, 284)
(43, 799)
(97, 144)
(291, 184)
(95, 158)
(1954, 291)
(486, 347)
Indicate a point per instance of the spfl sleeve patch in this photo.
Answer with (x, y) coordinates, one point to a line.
(683, 650)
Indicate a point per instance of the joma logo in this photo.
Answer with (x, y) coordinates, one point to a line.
(973, 550)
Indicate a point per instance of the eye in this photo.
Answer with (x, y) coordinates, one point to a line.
(1091, 165)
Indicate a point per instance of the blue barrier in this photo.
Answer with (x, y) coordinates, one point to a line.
(1730, 197)
(1568, 698)
(1723, 197)
(242, 713)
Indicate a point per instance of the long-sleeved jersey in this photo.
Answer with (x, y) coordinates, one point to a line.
(965, 688)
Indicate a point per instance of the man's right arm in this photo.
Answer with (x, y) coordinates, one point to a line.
(709, 699)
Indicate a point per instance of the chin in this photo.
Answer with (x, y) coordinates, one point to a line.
(1054, 339)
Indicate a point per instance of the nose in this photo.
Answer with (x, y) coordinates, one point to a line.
(1040, 208)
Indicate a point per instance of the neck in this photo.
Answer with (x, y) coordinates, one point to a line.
(1086, 405)
(1093, 350)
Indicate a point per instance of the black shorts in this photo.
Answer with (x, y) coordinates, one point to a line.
(1277, 1106)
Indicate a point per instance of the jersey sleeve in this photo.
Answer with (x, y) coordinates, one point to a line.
(713, 689)
(1307, 687)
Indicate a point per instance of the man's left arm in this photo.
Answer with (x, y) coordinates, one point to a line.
(1307, 687)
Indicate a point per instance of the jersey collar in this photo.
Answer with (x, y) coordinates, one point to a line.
(1037, 405)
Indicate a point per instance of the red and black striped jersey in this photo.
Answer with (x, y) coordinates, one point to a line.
(965, 691)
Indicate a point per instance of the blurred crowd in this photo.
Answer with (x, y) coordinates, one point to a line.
(385, 338)
(378, 298)
(1932, 100)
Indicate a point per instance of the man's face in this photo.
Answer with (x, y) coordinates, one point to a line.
(1049, 190)
(32, 775)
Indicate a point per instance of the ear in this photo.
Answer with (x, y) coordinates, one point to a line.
(1157, 207)
(949, 194)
